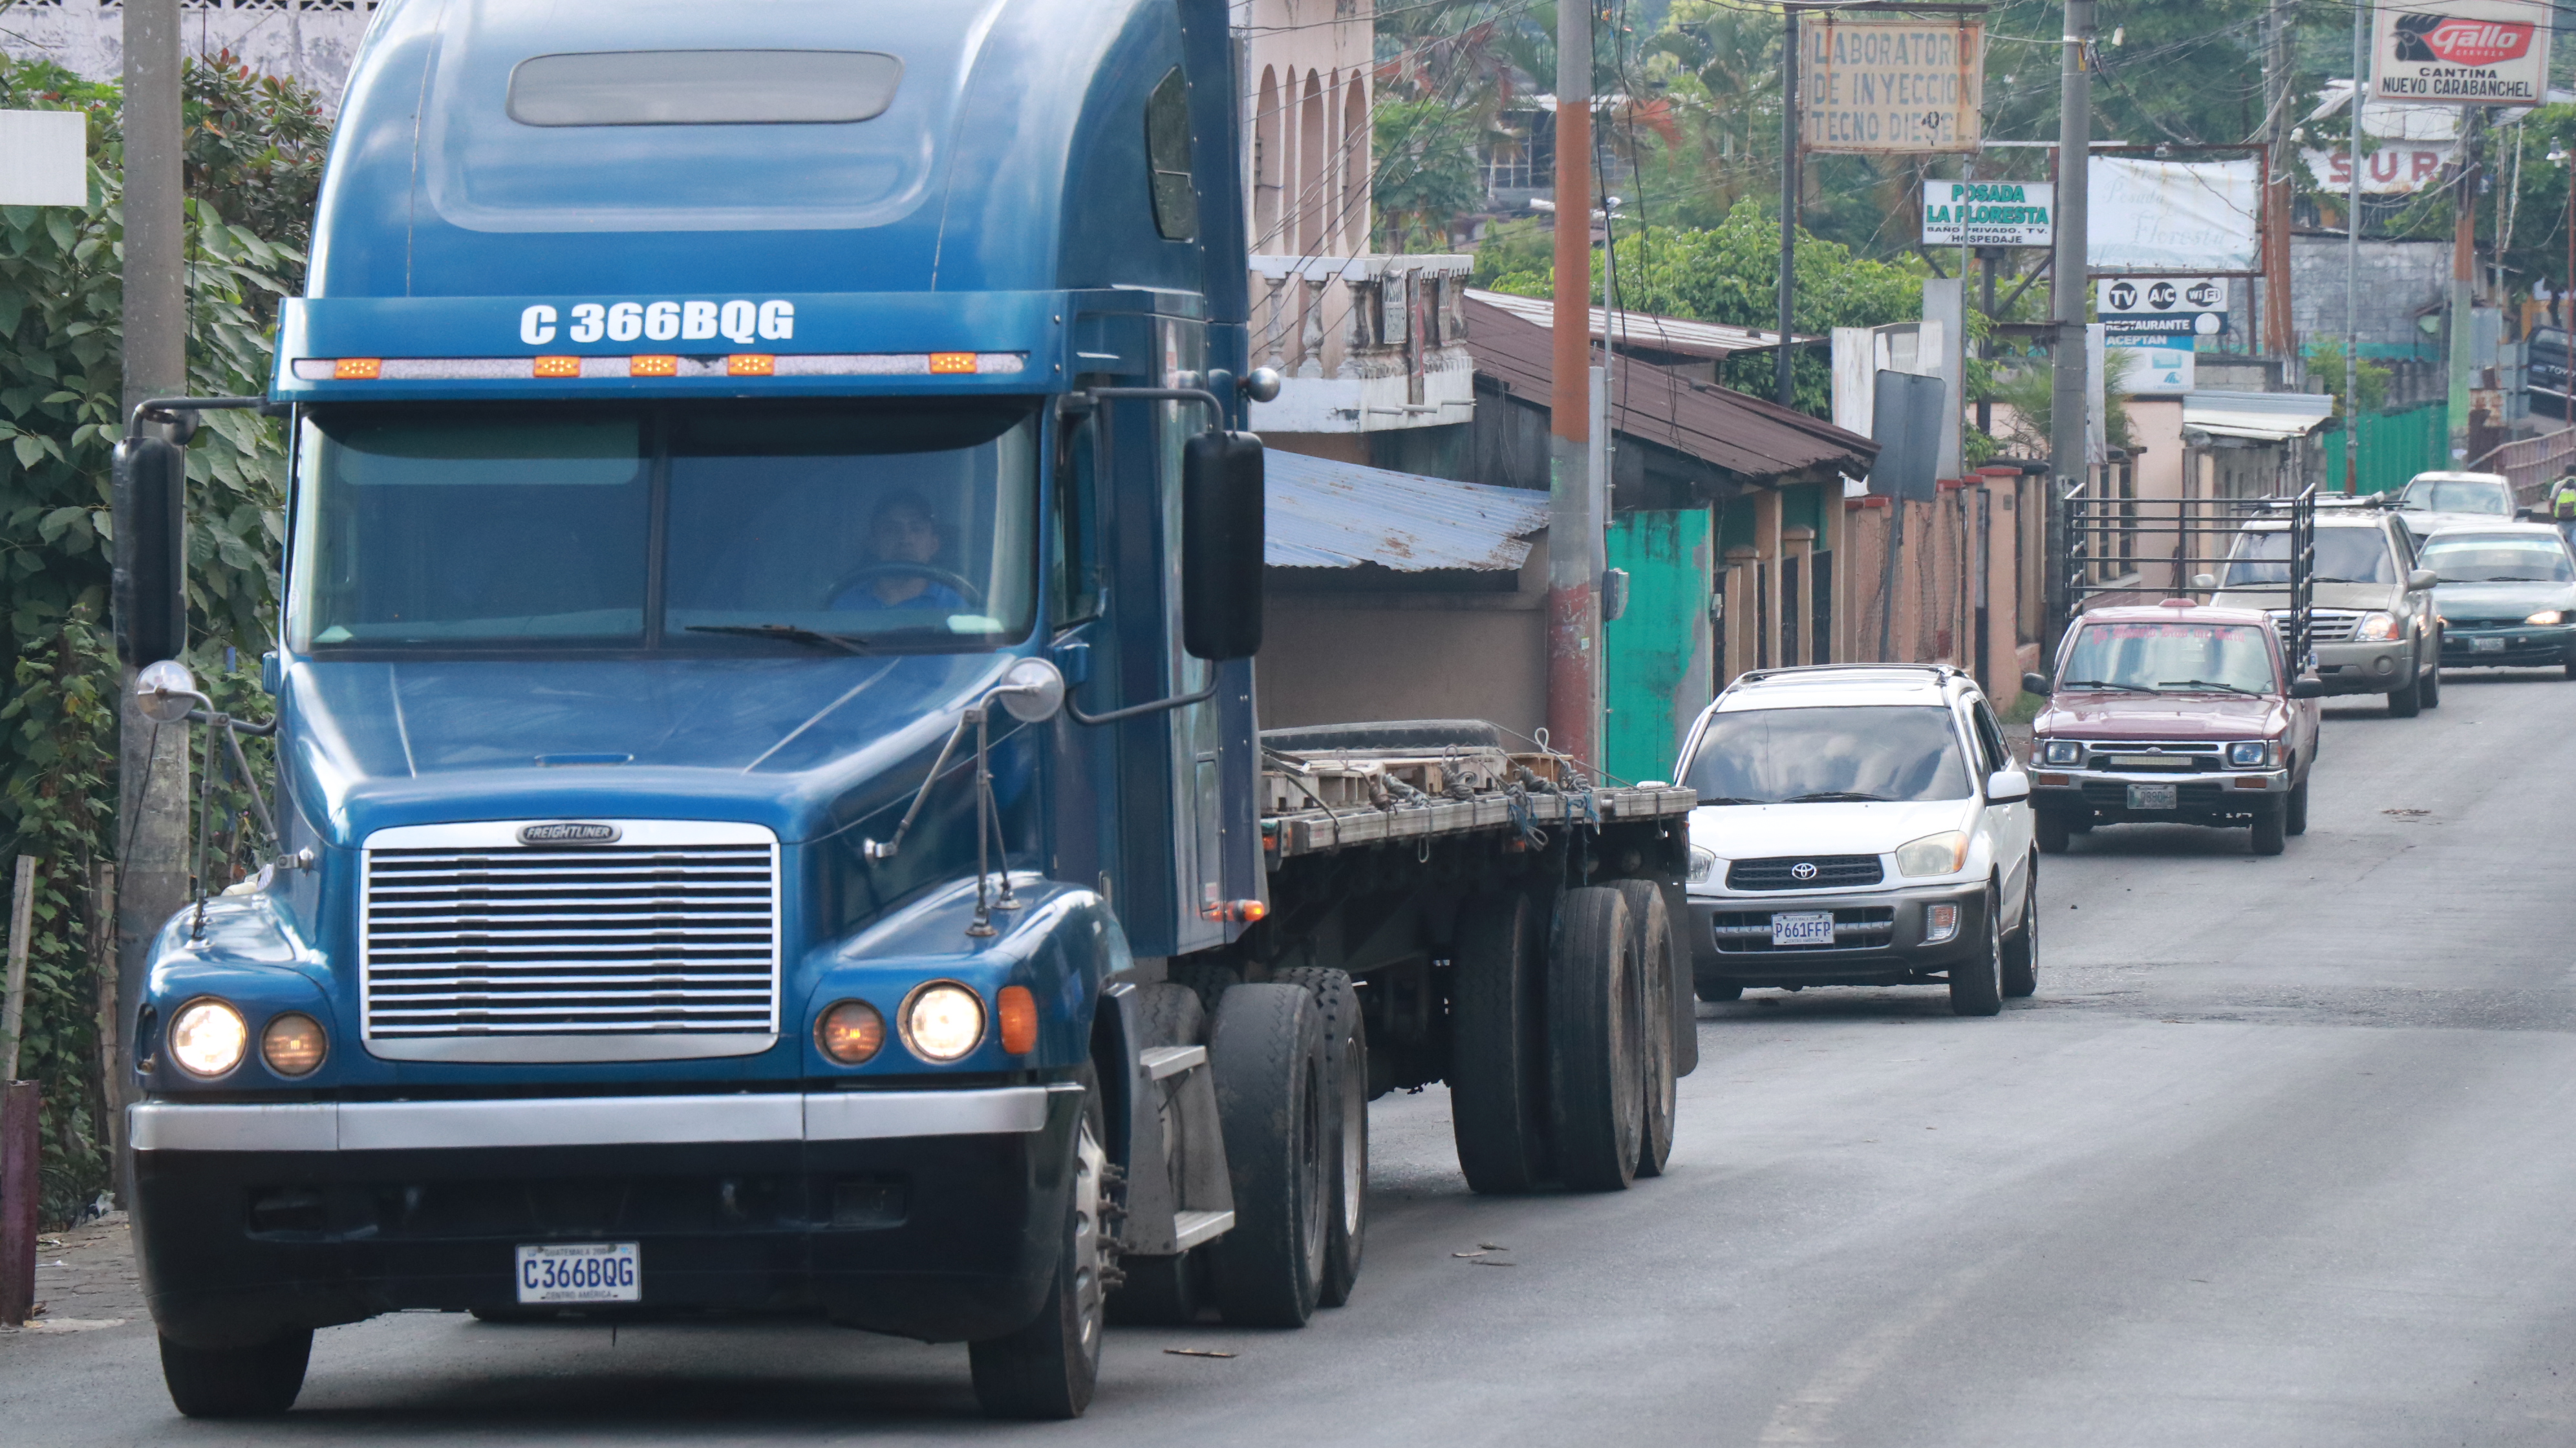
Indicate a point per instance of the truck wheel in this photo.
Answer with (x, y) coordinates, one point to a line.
(1271, 1073)
(1048, 1369)
(2270, 832)
(1715, 992)
(1595, 1065)
(2079, 821)
(1497, 1044)
(2406, 702)
(1651, 927)
(2430, 691)
(2294, 810)
(2051, 828)
(2021, 948)
(1976, 984)
(2570, 666)
(1162, 1291)
(1346, 1162)
(237, 1382)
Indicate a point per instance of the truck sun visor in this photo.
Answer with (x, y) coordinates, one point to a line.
(703, 87)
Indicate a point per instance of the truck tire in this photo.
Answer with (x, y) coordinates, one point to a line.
(2407, 701)
(2430, 691)
(1497, 1044)
(1267, 1051)
(1715, 992)
(2270, 832)
(1047, 1369)
(1385, 734)
(2021, 948)
(1162, 1291)
(1346, 1160)
(1651, 927)
(237, 1382)
(2052, 829)
(1595, 1066)
(1976, 984)
(2294, 810)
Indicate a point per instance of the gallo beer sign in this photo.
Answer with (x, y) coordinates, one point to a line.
(2462, 52)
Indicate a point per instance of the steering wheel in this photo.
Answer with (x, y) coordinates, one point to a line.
(955, 582)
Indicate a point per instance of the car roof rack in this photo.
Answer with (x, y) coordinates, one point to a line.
(1938, 671)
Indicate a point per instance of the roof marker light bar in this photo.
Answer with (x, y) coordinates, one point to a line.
(740, 364)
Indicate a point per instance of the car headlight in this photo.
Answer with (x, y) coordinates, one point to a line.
(2546, 617)
(293, 1044)
(2247, 753)
(943, 1021)
(2375, 628)
(2061, 751)
(1703, 863)
(1942, 854)
(207, 1037)
(850, 1032)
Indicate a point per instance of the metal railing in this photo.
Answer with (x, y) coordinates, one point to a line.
(2143, 549)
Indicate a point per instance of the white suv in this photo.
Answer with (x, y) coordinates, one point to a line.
(1860, 824)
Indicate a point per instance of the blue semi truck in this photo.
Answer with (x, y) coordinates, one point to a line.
(770, 815)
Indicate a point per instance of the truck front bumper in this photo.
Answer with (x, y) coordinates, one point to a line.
(2378, 667)
(2522, 646)
(2199, 799)
(931, 1214)
(1880, 937)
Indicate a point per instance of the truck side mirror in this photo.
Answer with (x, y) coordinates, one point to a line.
(2421, 579)
(2034, 683)
(148, 591)
(2307, 686)
(1222, 502)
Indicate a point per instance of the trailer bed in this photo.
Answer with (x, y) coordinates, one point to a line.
(1317, 804)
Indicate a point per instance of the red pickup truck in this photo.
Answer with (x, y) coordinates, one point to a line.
(2176, 713)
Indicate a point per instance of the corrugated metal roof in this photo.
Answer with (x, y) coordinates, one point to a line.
(1326, 514)
(2256, 416)
(1645, 329)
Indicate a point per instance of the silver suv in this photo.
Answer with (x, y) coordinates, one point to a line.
(2375, 629)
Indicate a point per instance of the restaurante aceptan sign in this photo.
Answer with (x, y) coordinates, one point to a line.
(2462, 52)
(1881, 86)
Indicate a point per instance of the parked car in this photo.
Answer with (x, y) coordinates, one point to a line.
(2373, 626)
(2507, 596)
(2431, 502)
(1860, 824)
(2176, 713)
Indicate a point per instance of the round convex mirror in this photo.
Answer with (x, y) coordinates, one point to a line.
(1032, 690)
(166, 691)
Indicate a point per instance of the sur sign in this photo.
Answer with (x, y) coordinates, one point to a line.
(2141, 309)
(1889, 86)
(1988, 213)
(2462, 52)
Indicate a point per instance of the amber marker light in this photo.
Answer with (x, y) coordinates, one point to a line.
(293, 1044)
(556, 367)
(850, 1032)
(751, 364)
(658, 365)
(1019, 1015)
(950, 363)
(357, 369)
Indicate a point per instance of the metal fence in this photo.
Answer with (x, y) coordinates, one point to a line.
(2532, 463)
(2395, 446)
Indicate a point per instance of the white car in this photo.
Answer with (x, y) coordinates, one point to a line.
(1860, 824)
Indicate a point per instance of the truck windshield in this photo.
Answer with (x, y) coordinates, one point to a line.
(2172, 658)
(2497, 558)
(2458, 495)
(2344, 555)
(436, 526)
(1855, 754)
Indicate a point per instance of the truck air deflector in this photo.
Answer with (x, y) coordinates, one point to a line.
(703, 87)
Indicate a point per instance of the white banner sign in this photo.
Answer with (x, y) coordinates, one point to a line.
(2462, 52)
(1890, 86)
(1991, 213)
(2156, 371)
(2397, 168)
(2137, 309)
(2190, 217)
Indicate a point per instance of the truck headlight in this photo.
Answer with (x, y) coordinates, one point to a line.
(2061, 751)
(1703, 863)
(2248, 753)
(293, 1044)
(1941, 854)
(850, 1032)
(2375, 628)
(2547, 617)
(943, 1021)
(207, 1037)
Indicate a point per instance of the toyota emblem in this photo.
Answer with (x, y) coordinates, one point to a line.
(1803, 870)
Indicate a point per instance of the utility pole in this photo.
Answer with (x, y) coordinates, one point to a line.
(2281, 335)
(152, 760)
(2068, 465)
(2352, 262)
(1574, 524)
(1788, 200)
(2464, 275)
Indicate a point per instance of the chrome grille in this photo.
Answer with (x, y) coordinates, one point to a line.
(1822, 872)
(2325, 625)
(673, 931)
(2143, 756)
(1748, 932)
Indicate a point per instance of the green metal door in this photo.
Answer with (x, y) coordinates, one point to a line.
(1658, 656)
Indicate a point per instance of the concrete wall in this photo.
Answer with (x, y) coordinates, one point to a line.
(1336, 658)
(2398, 279)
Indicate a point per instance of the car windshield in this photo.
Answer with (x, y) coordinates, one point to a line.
(2453, 495)
(2344, 555)
(2171, 658)
(705, 526)
(2497, 558)
(1858, 753)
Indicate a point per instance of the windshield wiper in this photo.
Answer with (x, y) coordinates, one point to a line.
(788, 632)
(2103, 684)
(1838, 796)
(1730, 799)
(2206, 684)
(2330, 578)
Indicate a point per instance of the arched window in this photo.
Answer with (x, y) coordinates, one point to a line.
(1267, 158)
(1355, 164)
(1312, 204)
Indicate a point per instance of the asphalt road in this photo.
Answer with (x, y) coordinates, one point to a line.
(2280, 1154)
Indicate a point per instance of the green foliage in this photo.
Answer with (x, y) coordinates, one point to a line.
(253, 155)
(2325, 367)
(1426, 172)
